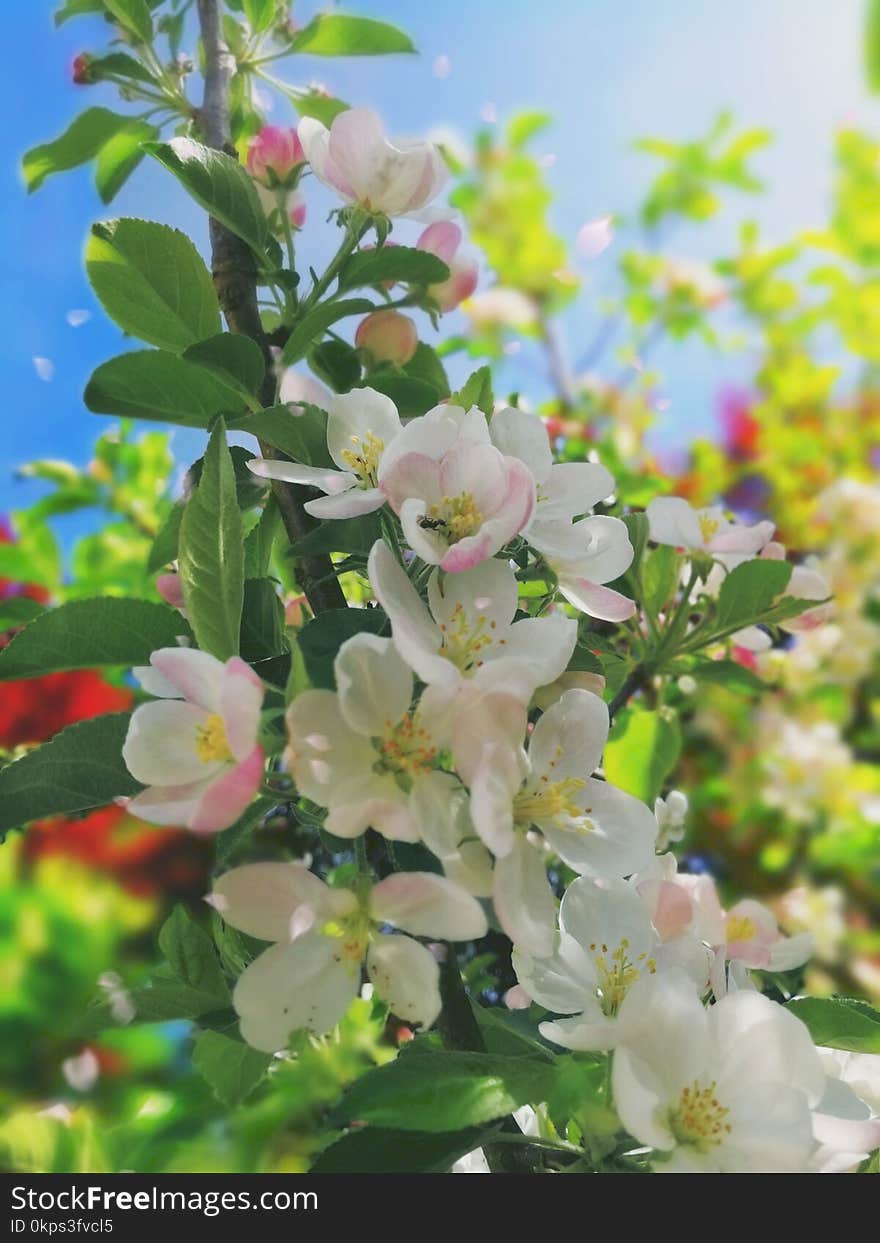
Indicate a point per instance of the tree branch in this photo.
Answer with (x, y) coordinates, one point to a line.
(235, 280)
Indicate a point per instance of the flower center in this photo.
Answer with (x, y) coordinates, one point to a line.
(740, 928)
(456, 516)
(463, 642)
(363, 458)
(353, 933)
(618, 972)
(708, 526)
(699, 1118)
(211, 741)
(549, 801)
(406, 749)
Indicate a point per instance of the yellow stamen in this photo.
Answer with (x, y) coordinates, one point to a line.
(548, 801)
(353, 934)
(618, 972)
(740, 928)
(406, 747)
(462, 642)
(699, 1118)
(708, 526)
(456, 517)
(211, 741)
(363, 459)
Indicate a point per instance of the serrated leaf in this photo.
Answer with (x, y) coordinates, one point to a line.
(379, 1150)
(302, 436)
(18, 611)
(840, 1022)
(162, 387)
(77, 8)
(164, 547)
(118, 65)
(191, 956)
(219, 184)
(351, 535)
(403, 264)
(749, 591)
(446, 1091)
(152, 282)
(78, 769)
(335, 34)
(80, 142)
(211, 554)
(660, 575)
(337, 364)
(425, 365)
(231, 1068)
(235, 359)
(476, 391)
(120, 156)
(134, 15)
(311, 328)
(86, 634)
(259, 541)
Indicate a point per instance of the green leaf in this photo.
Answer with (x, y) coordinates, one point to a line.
(164, 547)
(425, 365)
(134, 15)
(840, 1022)
(337, 35)
(79, 143)
(259, 541)
(445, 1091)
(230, 1068)
(230, 840)
(262, 621)
(337, 364)
(18, 611)
(119, 65)
(477, 391)
(219, 184)
(235, 359)
(250, 489)
(164, 998)
(729, 674)
(77, 8)
(510, 1032)
(302, 437)
(641, 752)
(85, 634)
(584, 659)
(352, 535)
(637, 526)
(378, 1150)
(160, 386)
(749, 591)
(120, 156)
(78, 769)
(313, 103)
(260, 14)
(191, 956)
(211, 553)
(392, 263)
(872, 44)
(152, 282)
(314, 324)
(660, 574)
(321, 638)
(412, 397)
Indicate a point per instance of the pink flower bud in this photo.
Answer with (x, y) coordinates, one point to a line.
(387, 337)
(443, 239)
(169, 588)
(296, 209)
(81, 70)
(274, 155)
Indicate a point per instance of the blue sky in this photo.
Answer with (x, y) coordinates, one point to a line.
(608, 70)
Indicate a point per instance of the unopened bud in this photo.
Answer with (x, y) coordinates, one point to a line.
(275, 156)
(81, 70)
(387, 337)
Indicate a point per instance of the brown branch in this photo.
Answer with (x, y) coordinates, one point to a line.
(235, 280)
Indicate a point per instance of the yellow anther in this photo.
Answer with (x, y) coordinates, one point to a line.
(363, 458)
(699, 1119)
(740, 928)
(407, 747)
(708, 526)
(211, 741)
(552, 800)
(456, 517)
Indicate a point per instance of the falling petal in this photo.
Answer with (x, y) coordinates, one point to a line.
(45, 369)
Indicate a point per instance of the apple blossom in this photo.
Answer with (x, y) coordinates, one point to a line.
(196, 746)
(467, 630)
(361, 751)
(723, 1089)
(443, 239)
(606, 944)
(275, 156)
(322, 938)
(387, 337)
(354, 158)
(360, 426)
(673, 521)
(595, 828)
(459, 499)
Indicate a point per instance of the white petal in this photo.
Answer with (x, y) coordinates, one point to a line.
(672, 521)
(522, 435)
(303, 983)
(241, 700)
(374, 685)
(416, 637)
(427, 906)
(160, 747)
(262, 899)
(330, 481)
(349, 504)
(197, 675)
(569, 738)
(326, 757)
(494, 784)
(621, 840)
(564, 983)
(406, 976)
(359, 414)
(524, 901)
